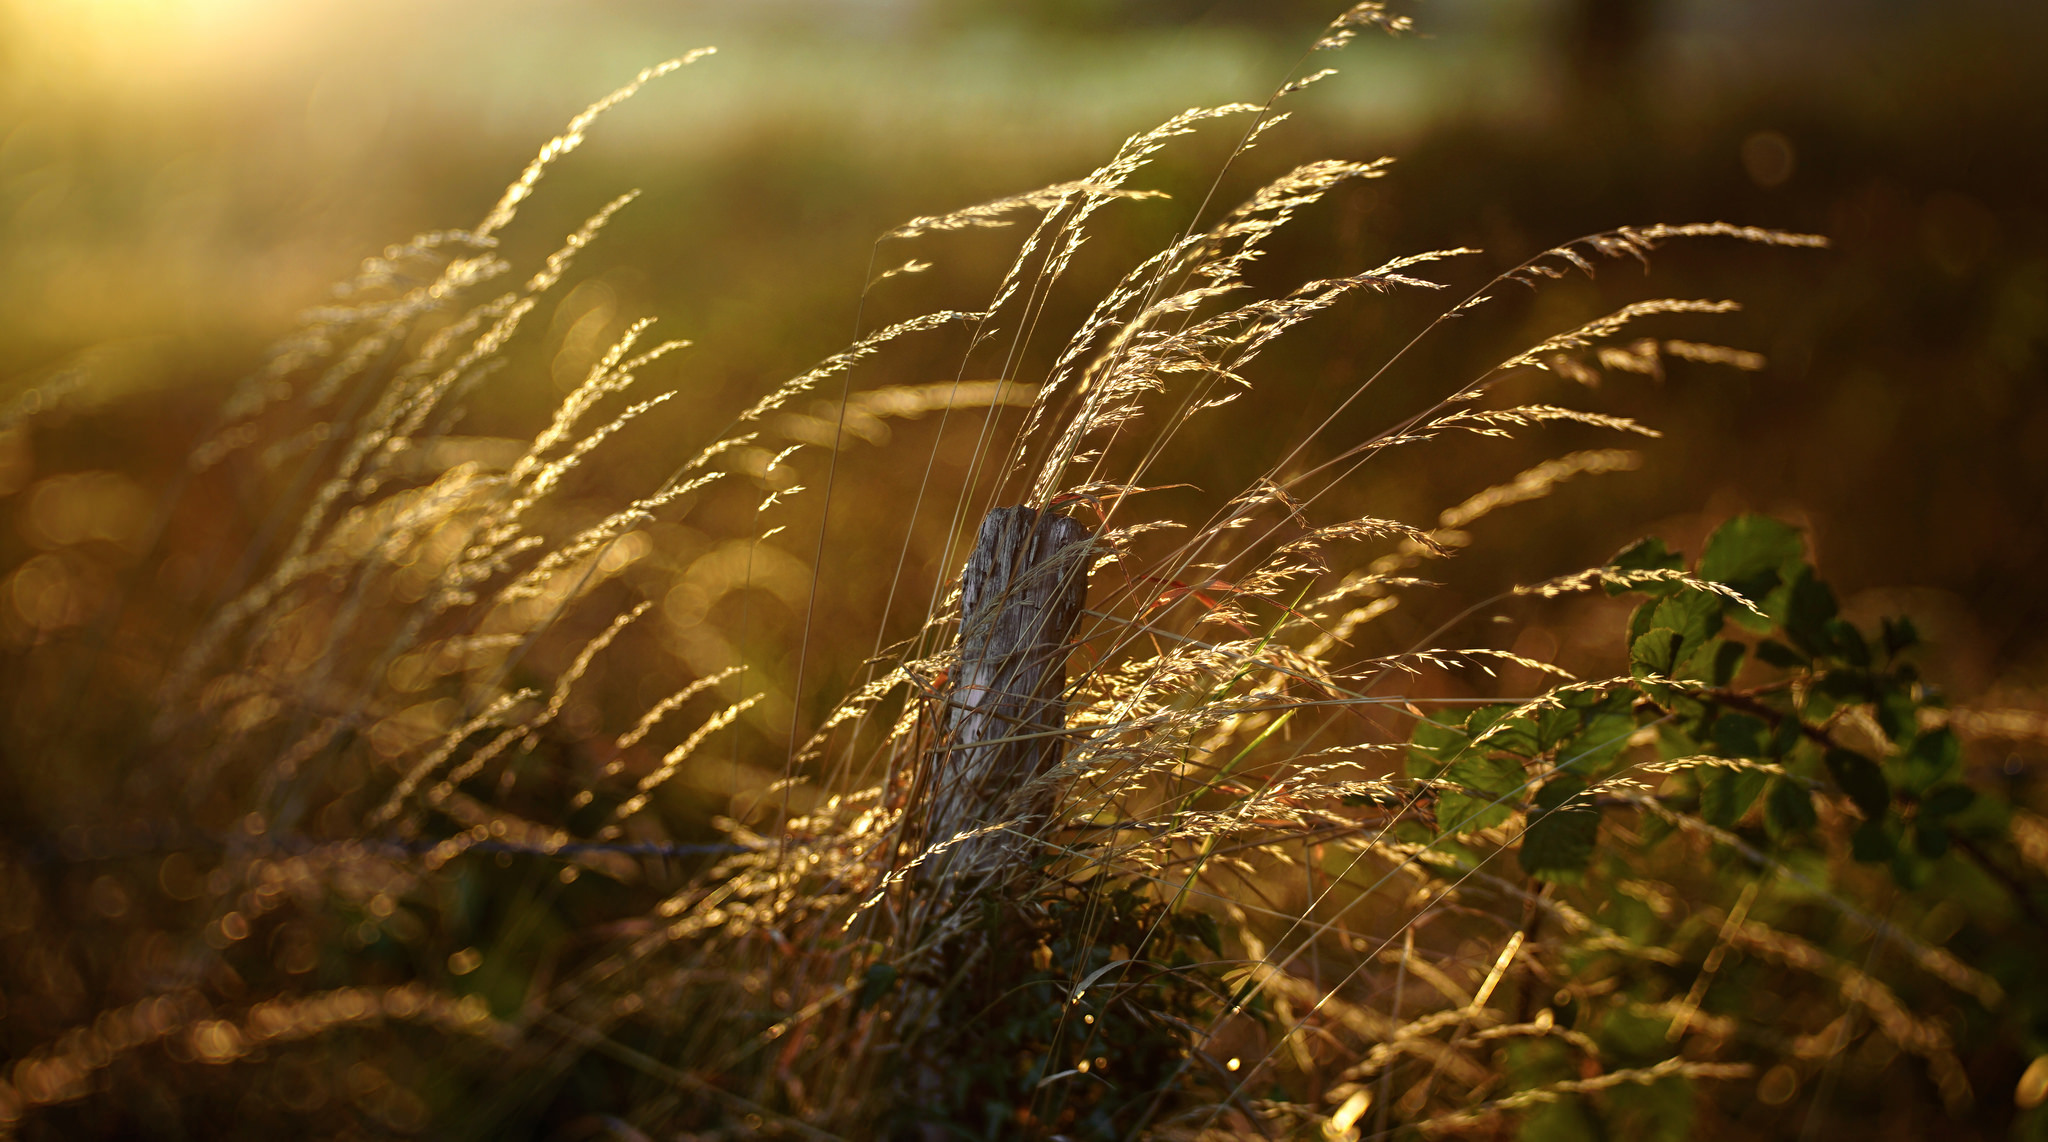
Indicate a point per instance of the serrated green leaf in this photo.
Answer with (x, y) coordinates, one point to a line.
(1748, 546)
(1555, 726)
(1563, 831)
(1656, 653)
(1726, 795)
(1435, 740)
(1490, 728)
(1616, 701)
(1695, 615)
(1413, 833)
(1486, 782)
(1674, 742)
(1740, 735)
(1716, 662)
(1489, 773)
(1639, 620)
(1755, 555)
(1808, 607)
(1592, 753)
(1646, 555)
(1460, 813)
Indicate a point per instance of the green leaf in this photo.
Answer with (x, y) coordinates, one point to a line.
(1562, 832)
(1861, 779)
(1437, 739)
(1491, 730)
(1497, 774)
(1819, 705)
(1646, 555)
(1460, 813)
(1788, 808)
(1619, 700)
(1740, 735)
(1873, 842)
(1909, 869)
(1718, 661)
(1749, 547)
(1726, 795)
(1655, 653)
(1487, 787)
(1695, 615)
(1594, 751)
(1785, 738)
(1946, 801)
(1930, 839)
(1848, 642)
(1754, 554)
(1844, 685)
(1778, 654)
(1639, 620)
(1898, 715)
(1808, 607)
(1555, 726)
(1933, 757)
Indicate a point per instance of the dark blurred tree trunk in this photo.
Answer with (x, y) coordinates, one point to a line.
(1606, 43)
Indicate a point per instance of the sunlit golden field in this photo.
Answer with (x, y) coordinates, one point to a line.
(518, 690)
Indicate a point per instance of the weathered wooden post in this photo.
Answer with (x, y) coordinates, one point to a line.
(1020, 600)
(1001, 728)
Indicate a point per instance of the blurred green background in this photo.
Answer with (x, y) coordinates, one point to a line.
(179, 178)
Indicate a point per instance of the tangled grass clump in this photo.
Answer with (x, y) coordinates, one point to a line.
(403, 858)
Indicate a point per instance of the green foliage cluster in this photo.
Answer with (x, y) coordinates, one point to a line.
(1754, 856)
(1769, 779)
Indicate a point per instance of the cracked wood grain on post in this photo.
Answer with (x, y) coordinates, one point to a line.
(1021, 596)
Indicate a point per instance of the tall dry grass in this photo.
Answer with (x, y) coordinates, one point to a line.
(407, 856)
